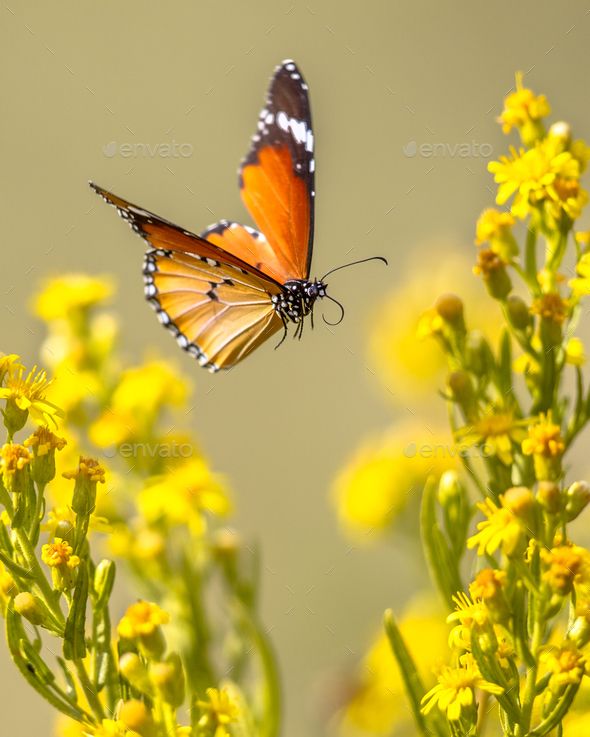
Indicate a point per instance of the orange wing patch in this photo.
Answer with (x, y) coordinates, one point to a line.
(278, 200)
(247, 244)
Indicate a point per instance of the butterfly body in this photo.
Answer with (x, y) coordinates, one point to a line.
(224, 292)
(297, 299)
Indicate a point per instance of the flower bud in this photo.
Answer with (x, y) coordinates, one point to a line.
(549, 496)
(561, 133)
(14, 417)
(518, 312)
(88, 474)
(136, 717)
(31, 608)
(450, 308)
(104, 579)
(133, 670)
(15, 467)
(521, 502)
(168, 678)
(44, 444)
(478, 354)
(461, 387)
(493, 271)
(576, 499)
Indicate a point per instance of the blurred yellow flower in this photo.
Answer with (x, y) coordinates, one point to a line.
(454, 692)
(566, 664)
(580, 285)
(565, 566)
(494, 432)
(502, 528)
(575, 353)
(544, 439)
(218, 713)
(524, 110)
(141, 393)
(141, 619)
(62, 296)
(182, 496)
(379, 700)
(381, 477)
(495, 227)
(410, 367)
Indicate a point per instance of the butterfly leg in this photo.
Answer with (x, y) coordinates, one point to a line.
(285, 331)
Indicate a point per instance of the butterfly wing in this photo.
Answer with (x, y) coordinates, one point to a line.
(246, 243)
(217, 306)
(277, 175)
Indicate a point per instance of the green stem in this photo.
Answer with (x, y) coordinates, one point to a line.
(89, 692)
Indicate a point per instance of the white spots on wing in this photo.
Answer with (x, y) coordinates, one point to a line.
(311, 165)
(298, 129)
(283, 121)
(163, 317)
(289, 65)
(295, 76)
(304, 86)
(182, 341)
(269, 118)
(150, 290)
(309, 141)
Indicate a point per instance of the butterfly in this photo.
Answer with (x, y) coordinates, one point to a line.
(226, 291)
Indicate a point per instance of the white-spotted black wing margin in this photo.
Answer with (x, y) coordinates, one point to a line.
(286, 120)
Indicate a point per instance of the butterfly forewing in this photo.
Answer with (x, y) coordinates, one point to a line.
(277, 175)
(217, 305)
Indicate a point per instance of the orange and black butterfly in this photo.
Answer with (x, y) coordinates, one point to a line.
(225, 292)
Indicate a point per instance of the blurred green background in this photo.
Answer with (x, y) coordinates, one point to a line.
(84, 83)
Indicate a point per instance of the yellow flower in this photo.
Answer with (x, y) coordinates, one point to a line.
(454, 693)
(575, 353)
(488, 587)
(535, 176)
(88, 469)
(184, 495)
(27, 395)
(566, 664)
(63, 296)
(545, 443)
(566, 565)
(110, 728)
(492, 268)
(524, 110)
(379, 480)
(58, 554)
(141, 619)
(14, 459)
(9, 364)
(218, 712)
(495, 432)
(502, 528)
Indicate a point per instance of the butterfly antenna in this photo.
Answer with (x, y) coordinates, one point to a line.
(327, 296)
(354, 263)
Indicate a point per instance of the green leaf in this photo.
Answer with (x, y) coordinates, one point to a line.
(558, 713)
(74, 647)
(505, 381)
(16, 637)
(441, 561)
(415, 689)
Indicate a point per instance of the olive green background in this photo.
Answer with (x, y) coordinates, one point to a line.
(78, 76)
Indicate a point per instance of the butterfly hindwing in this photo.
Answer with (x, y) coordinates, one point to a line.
(218, 306)
(277, 175)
